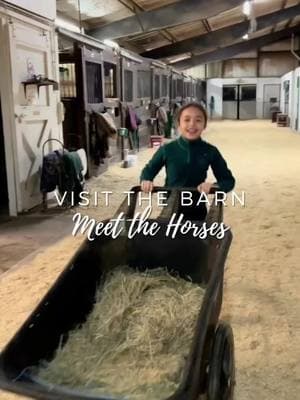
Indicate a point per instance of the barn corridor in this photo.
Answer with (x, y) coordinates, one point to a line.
(261, 299)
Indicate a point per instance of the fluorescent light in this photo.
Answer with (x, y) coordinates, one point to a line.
(247, 8)
(111, 43)
(246, 36)
(63, 23)
(179, 58)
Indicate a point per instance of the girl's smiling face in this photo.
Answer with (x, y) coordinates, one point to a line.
(192, 123)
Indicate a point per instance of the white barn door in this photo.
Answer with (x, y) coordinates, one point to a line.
(32, 51)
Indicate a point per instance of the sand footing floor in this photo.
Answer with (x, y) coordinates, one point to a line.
(262, 290)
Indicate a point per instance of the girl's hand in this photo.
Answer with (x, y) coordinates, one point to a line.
(147, 186)
(204, 187)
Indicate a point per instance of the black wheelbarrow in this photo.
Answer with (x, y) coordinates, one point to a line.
(209, 370)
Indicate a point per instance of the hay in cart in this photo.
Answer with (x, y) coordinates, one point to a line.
(136, 340)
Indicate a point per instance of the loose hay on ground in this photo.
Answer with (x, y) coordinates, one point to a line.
(136, 339)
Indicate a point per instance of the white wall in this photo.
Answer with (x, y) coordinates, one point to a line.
(44, 8)
(296, 100)
(215, 88)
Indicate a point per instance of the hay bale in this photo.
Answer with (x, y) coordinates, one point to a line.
(136, 339)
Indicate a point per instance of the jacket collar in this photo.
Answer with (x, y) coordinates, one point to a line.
(187, 143)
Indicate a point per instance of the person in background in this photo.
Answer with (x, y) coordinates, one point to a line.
(187, 160)
(203, 102)
(162, 118)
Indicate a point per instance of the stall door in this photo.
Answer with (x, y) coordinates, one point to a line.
(239, 102)
(32, 52)
(271, 99)
(3, 176)
(286, 89)
(297, 125)
(247, 102)
(230, 101)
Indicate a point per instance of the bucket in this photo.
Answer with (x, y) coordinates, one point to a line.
(156, 141)
(123, 132)
(130, 161)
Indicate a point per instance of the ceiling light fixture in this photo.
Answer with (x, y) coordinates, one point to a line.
(63, 23)
(246, 36)
(247, 8)
(111, 43)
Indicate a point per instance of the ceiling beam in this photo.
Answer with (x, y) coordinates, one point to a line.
(135, 8)
(221, 36)
(170, 15)
(230, 51)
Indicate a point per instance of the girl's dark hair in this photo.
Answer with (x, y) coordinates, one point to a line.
(192, 104)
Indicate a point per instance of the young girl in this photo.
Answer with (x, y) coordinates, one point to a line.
(187, 160)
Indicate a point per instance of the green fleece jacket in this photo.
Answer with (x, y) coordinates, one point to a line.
(187, 163)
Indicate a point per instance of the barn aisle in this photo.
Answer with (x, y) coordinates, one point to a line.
(261, 298)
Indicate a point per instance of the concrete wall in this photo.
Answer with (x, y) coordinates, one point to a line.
(276, 64)
(215, 88)
(196, 72)
(243, 68)
(214, 70)
(282, 45)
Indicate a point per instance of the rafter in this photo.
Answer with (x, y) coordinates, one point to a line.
(237, 48)
(161, 18)
(221, 36)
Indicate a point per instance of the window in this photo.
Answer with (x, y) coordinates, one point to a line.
(110, 80)
(164, 86)
(229, 93)
(156, 86)
(143, 84)
(248, 93)
(94, 82)
(128, 85)
(67, 79)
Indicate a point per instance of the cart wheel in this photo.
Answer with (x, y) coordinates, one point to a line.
(221, 376)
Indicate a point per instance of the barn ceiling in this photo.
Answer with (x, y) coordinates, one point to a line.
(176, 30)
